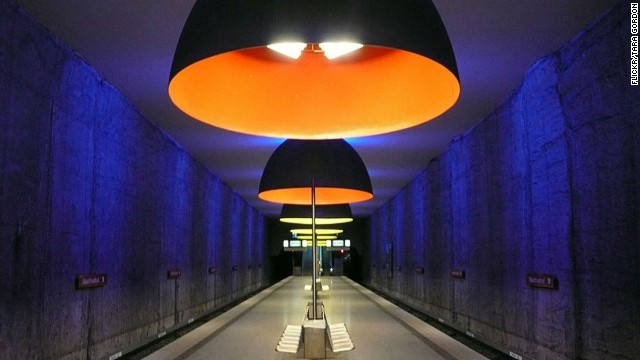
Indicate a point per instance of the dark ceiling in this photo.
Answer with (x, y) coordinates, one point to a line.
(131, 45)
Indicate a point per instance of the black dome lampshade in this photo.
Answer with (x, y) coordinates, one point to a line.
(325, 214)
(314, 69)
(333, 167)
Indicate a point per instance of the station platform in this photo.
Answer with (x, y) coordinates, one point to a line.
(378, 328)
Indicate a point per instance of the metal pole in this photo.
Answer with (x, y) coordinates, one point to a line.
(314, 247)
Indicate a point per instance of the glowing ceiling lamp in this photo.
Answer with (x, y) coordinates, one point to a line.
(324, 231)
(333, 50)
(290, 49)
(353, 68)
(333, 166)
(319, 237)
(325, 214)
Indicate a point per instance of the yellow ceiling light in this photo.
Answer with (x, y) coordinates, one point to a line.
(319, 221)
(318, 231)
(318, 237)
(325, 214)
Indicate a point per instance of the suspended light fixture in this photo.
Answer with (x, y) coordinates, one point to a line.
(323, 231)
(319, 237)
(336, 168)
(350, 68)
(325, 214)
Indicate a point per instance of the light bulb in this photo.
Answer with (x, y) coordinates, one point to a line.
(333, 50)
(289, 49)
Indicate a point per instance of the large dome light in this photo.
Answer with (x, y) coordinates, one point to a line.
(352, 68)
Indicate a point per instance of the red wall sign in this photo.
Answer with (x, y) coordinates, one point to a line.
(89, 281)
(174, 274)
(458, 274)
(543, 281)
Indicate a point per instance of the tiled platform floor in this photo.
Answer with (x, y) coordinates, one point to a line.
(378, 328)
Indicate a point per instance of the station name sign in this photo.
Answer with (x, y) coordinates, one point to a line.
(543, 281)
(89, 281)
(174, 274)
(458, 274)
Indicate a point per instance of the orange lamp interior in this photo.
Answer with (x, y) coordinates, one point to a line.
(258, 91)
(324, 196)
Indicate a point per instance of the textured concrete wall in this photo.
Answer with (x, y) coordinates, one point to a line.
(548, 183)
(88, 185)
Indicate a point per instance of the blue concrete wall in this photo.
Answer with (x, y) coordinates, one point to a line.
(88, 185)
(548, 183)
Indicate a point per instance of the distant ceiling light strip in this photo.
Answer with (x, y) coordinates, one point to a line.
(319, 221)
(319, 237)
(318, 231)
